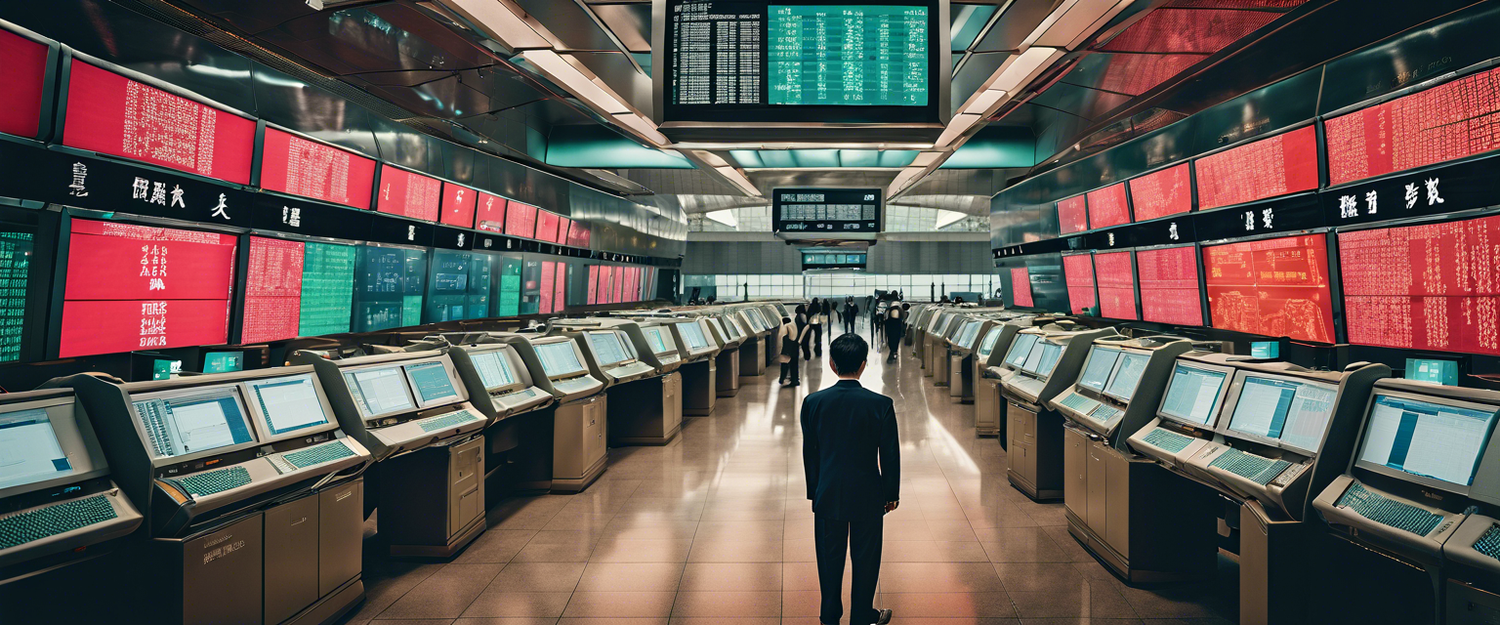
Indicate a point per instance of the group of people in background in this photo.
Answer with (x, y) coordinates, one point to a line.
(802, 333)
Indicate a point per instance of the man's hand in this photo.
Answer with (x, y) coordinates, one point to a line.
(890, 506)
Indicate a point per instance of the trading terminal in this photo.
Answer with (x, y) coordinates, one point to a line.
(475, 311)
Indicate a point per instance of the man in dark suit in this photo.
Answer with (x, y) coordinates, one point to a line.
(853, 463)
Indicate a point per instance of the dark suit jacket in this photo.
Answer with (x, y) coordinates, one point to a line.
(851, 451)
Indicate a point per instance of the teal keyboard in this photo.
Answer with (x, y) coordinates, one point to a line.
(1168, 440)
(336, 450)
(1489, 543)
(53, 520)
(1375, 507)
(1079, 403)
(1250, 466)
(210, 482)
(447, 421)
(1104, 413)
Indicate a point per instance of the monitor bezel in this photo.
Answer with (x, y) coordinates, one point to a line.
(1213, 420)
(360, 405)
(1231, 402)
(1115, 372)
(79, 438)
(159, 461)
(262, 423)
(1457, 489)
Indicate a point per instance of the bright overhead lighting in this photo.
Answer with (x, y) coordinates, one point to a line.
(726, 217)
(984, 101)
(1073, 21)
(1019, 70)
(643, 127)
(574, 80)
(925, 159)
(739, 180)
(712, 159)
(956, 128)
(499, 20)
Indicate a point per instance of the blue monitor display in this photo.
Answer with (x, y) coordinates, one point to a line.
(1437, 442)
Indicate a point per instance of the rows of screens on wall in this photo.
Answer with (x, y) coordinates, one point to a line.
(1356, 146)
(132, 287)
(104, 107)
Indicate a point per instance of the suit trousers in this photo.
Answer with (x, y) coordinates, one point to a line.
(862, 539)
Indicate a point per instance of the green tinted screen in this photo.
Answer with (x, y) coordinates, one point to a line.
(510, 288)
(848, 55)
(327, 288)
(15, 271)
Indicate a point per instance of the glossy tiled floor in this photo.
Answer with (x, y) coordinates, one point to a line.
(715, 528)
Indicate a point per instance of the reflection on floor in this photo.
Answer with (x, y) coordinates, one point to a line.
(715, 528)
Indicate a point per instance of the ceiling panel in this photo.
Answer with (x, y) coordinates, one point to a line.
(572, 25)
(631, 23)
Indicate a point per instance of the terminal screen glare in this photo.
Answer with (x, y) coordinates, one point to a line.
(607, 347)
(1020, 348)
(29, 450)
(558, 359)
(1426, 439)
(179, 426)
(431, 381)
(494, 369)
(379, 391)
(1193, 395)
(988, 344)
(693, 334)
(654, 337)
(1101, 363)
(1294, 412)
(1128, 376)
(288, 404)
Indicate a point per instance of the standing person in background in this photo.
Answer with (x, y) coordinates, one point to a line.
(804, 330)
(851, 314)
(895, 327)
(877, 321)
(815, 315)
(791, 374)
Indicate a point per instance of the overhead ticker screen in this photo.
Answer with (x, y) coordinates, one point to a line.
(826, 211)
(327, 288)
(1108, 207)
(848, 55)
(16, 250)
(1162, 193)
(1073, 215)
(409, 194)
(1272, 287)
(23, 75)
(389, 288)
(458, 205)
(302, 167)
(135, 287)
(1169, 286)
(717, 53)
(1278, 165)
(1428, 287)
(1078, 274)
(489, 215)
(1116, 279)
(1444, 123)
(1020, 287)
(273, 290)
(520, 220)
(111, 114)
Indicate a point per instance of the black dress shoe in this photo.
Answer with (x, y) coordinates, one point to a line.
(885, 617)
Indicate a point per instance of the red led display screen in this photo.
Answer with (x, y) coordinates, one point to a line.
(1166, 192)
(607, 285)
(564, 226)
(489, 215)
(1431, 287)
(1072, 215)
(548, 275)
(560, 287)
(593, 297)
(1285, 163)
(520, 220)
(1108, 207)
(291, 164)
(273, 290)
(1020, 287)
(135, 287)
(111, 114)
(1078, 274)
(458, 205)
(1444, 123)
(22, 73)
(546, 226)
(409, 194)
(1169, 286)
(579, 234)
(1274, 287)
(1116, 278)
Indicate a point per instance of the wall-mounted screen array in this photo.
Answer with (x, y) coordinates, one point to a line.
(1169, 285)
(1277, 165)
(1162, 193)
(1273, 287)
(1078, 275)
(388, 288)
(297, 166)
(826, 211)
(459, 286)
(1108, 207)
(23, 75)
(1115, 274)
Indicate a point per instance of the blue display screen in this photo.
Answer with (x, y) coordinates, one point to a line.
(431, 381)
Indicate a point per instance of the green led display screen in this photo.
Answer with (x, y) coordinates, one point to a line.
(848, 55)
(388, 291)
(327, 288)
(15, 273)
(509, 301)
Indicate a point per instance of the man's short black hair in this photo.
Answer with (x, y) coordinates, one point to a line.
(848, 353)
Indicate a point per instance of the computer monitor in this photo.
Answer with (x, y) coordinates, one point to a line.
(1282, 411)
(692, 333)
(287, 405)
(970, 332)
(223, 362)
(30, 450)
(1193, 395)
(1043, 358)
(1020, 348)
(191, 422)
(1100, 364)
(165, 369)
(379, 391)
(558, 359)
(607, 347)
(1444, 372)
(1127, 376)
(987, 346)
(1265, 349)
(1427, 440)
(731, 329)
(493, 368)
(660, 340)
(431, 382)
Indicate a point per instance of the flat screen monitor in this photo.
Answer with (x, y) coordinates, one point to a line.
(558, 359)
(379, 391)
(1272, 287)
(1164, 192)
(1278, 165)
(30, 448)
(970, 332)
(1193, 395)
(184, 424)
(692, 333)
(1020, 287)
(307, 168)
(1043, 358)
(431, 382)
(493, 368)
(1020, 348)
(992, 337)
(1072, 215)
(1101, 363)
(223, 362)
(1078, 275)
(1444, 372)
(1127, 376)
(1293, 412)
(1265, 349)
(1115, 275)
(389, 286)
(607, 347)
(1169, 285)
(1108, 207)
(287, 405)
(658, 340)
(1426, 440)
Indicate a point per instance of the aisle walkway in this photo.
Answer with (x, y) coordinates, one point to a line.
(715, 528)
